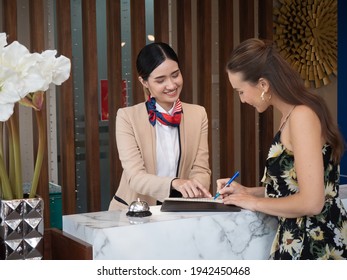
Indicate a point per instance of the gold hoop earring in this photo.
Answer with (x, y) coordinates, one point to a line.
(262, 96)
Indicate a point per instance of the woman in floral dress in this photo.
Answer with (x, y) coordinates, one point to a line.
(301, 177)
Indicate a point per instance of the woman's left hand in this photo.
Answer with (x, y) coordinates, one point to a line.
(241, 199)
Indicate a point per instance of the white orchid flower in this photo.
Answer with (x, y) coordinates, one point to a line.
(18, 58)
(24, 77)
(23, 73)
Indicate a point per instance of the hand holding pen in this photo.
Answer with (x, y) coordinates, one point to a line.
(228, 183)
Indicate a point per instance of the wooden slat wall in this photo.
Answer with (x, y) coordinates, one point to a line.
(226, 99)
(66, 112)
(91, 98)
(266, 124)
(161, 20)
(114, 76)
(204, 62)
(248, 124)
(138, 41)
(185, 51)
(184, 47)
(9, 19)
(37, 39)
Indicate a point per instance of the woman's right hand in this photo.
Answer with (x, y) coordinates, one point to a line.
(233, 188)
(190, 188)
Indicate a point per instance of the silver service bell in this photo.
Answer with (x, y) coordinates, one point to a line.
(139, 209)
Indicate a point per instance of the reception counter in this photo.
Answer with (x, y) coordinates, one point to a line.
(172, 235)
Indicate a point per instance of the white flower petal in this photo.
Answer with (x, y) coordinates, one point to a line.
(55, 70)
(62, 70)
(3, 40)
(6, 111)
(14, 54)
(9, 85)
(49, 54)
(32, 82)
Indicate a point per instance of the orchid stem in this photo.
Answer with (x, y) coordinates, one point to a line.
(5, 186)
(5, 182)
(18, 184)
(40, 153)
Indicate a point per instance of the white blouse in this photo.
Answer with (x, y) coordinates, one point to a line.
(168, 149)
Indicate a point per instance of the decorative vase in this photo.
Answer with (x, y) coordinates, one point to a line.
(21, 229)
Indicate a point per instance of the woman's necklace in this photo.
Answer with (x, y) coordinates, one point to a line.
(286, 118)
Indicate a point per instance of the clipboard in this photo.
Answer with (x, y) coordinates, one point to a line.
(196, 205)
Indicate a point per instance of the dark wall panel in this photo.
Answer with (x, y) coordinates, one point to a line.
(248, 122)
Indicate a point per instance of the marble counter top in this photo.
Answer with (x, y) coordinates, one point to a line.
(186, 235)
(168, 235)
(343, 193)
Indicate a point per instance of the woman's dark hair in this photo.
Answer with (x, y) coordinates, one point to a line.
(151, 56)
(255, 59)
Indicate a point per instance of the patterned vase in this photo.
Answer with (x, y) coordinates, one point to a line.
(21, 229)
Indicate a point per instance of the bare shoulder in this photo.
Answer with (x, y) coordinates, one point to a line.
(303, 110)
(303, 115)
(304, 125)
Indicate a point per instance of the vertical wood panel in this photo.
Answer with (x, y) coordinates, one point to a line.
(184, 47)
(9, 19)
(266, 123)
(204, 63)
(91, 109)
(37, 36)
(226, 99)
(37, 32)
(161, 21)
(114, 74)
(248, 125)
(138, 41)
(66, 112)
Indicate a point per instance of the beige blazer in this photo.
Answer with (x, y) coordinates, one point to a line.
(136, 143)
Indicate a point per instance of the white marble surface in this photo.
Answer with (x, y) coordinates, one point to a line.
(343, 195)
(164, 235)
(199, 235)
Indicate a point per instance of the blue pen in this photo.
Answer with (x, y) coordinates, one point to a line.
(228, 183)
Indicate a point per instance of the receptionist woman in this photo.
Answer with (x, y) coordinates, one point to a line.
(162, 142)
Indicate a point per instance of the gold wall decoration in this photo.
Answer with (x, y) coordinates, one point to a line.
(305, 32)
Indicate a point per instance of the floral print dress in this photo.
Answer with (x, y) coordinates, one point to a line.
(322, 236)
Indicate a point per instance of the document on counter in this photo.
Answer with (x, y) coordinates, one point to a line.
(206, 204)
(195, 199)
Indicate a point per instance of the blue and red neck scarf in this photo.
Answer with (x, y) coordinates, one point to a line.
(166, 119)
